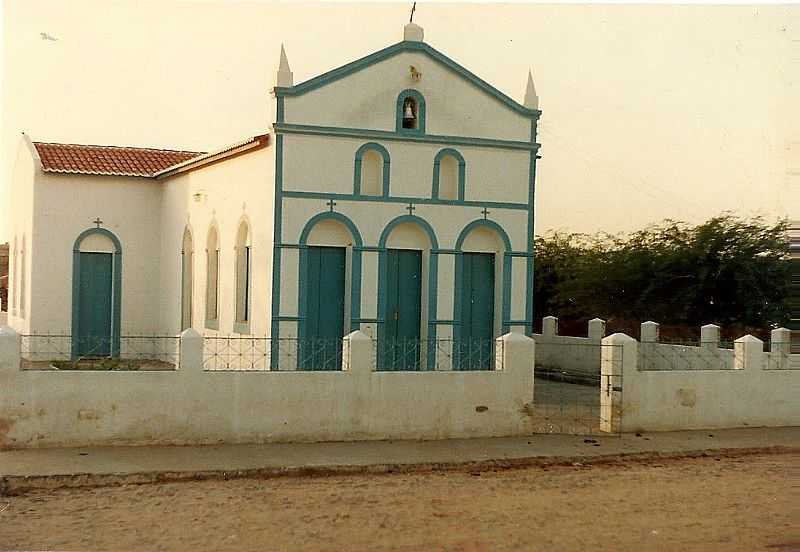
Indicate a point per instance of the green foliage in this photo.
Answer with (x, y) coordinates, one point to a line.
(727, 271)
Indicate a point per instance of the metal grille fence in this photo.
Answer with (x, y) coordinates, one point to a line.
(781, 357)
(441, 354)
(569, 391)
(241, 353)
(54, 351)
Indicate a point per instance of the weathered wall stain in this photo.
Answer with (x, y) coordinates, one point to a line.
(686, 397)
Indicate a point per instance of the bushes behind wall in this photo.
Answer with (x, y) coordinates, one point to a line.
(730, 271)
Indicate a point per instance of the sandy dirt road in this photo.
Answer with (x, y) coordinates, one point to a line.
(728, 503)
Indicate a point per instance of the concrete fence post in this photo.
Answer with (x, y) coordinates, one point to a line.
(550, 326)
(748, 353)
(357, 353)
(515, 354)
(619, 357)
(650, 332)
(9, 349)
(597, 329)
(780, 345)
(709, 336)
(191, 351)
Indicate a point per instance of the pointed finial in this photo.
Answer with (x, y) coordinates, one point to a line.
(531, 99)
(285, 77)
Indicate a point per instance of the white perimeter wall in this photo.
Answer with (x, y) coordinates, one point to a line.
(61, 408)
(761, 390)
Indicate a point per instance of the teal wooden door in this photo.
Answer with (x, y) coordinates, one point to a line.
(95, 305)
(321, 345)
(475, 345)
(401, 343)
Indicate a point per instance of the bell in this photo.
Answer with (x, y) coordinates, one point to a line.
(409, 113)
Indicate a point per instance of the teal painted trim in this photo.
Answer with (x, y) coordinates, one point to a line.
(399, 199)
(462, 171)
(459, 283)
(529, 268)
(420, 99)
(384, 135)
(413, 219)
(393, 50)
(287, 318)
(483, 222)
(116, 288)
(276, 253)
(280, 109)
(355, 279)
(371, 146)
(433, 276)
(212, 324)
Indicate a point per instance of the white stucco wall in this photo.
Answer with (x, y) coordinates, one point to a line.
(66, 206)
(20, 213)
(74, 408)
(237, 189)
(492, 174)
(371, 218)
(367, 99)
(755, 392)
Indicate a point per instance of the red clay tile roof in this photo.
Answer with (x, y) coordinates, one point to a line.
(108, 160)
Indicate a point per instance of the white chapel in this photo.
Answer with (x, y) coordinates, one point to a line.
(392, 195)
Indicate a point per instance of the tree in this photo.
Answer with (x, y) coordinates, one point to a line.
(728, 271)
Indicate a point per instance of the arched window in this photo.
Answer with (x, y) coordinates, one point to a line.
(410, 112)
(371, 173)
(22, 279)
(187, 278)
(243, 278)
(212, 279)
(449, 172)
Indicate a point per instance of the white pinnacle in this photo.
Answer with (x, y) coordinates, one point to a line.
(531, 99)
(285, 77)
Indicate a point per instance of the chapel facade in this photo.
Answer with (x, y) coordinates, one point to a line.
(394, 195)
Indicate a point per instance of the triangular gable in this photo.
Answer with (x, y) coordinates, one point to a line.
(393, 50)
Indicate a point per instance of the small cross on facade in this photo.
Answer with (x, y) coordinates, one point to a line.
(410, 208)
(98, 222)
(331, 204)
(485, 213)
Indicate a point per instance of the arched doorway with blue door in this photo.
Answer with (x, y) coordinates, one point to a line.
(329, 300)
(96, 294)
(407, 276)
(482, 293)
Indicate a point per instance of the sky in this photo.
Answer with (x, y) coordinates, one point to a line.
(649, 111)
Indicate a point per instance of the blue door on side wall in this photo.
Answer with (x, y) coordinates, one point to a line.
(95, 305)
(475, 346)
(401, 340)
(321, 346)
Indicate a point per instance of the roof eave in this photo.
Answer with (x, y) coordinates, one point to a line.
(228, 152)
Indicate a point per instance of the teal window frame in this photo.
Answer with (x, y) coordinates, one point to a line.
(421, 112)
(116, 297)
(462, 172)
(359, 158)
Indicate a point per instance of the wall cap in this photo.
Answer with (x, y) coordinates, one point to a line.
(618, 338)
